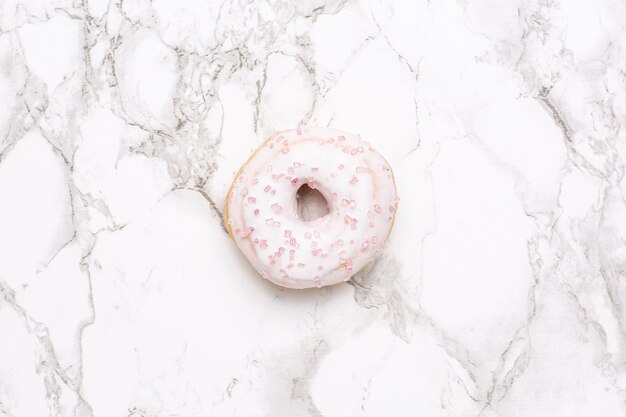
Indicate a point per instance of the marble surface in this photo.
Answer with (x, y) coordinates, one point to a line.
(501, 292)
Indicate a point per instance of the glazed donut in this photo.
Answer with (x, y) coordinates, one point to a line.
(262, 207)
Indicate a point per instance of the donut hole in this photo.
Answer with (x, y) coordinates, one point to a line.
(311, 203)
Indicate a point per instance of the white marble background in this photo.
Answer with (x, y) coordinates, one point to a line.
(500, 294)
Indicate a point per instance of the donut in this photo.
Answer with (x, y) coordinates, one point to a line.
(265, 221)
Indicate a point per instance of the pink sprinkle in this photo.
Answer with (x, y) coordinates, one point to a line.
(286, 142)
(250, 229)
(281, 250)
(285, 150)
(316, 233)
(318, 284)
(287, 233)
(263, 244)
(365, 245)
(269, 221)
(290, 266)
(255, 181)
(292, 242)
(320, 267)
(256, 240)
(294, 181)
(341, 138)
(341, 166)
(299, 131)
(276, 224)
(237, 231)
(307, 235)
(354, 180)
(251, 200)
(392, 209)
(273, 192)
(267, 188)
(244, 192)
(256, 212)
(348, 264)
(315, 252)
(276, 207)
(350, 203)
(314, 169)
(353, 151)
(377, 208)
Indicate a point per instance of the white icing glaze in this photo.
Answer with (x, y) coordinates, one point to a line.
(262, 208)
